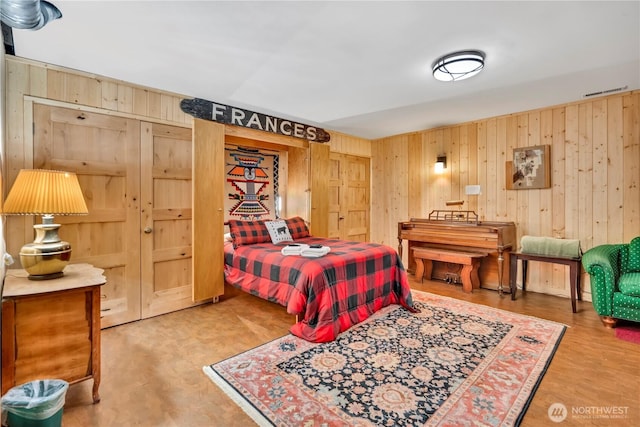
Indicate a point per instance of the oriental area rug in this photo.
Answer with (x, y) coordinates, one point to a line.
(454, 362)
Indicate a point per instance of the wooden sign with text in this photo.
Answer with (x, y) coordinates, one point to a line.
(207, 110)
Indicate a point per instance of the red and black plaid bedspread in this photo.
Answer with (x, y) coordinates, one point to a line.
(329, 294)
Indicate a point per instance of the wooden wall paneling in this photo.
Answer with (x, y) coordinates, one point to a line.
(319, 185)
(546, 195)
(463, 167)
(257, 138)
(391, 174)
(585, 173)
(37, 81)
(298, 198)
(125, 98)
(560, 273)
(171, 110)
(109, 95)
(615, 169)
(17, 78)
(564, 210)
(558, 162)
(502, 214)
(534, 207)
(457, 186)
(435, 184)
(599, 154)
(571, 178)
(154, 106)
(471, 134)
(491, 169)
(389, 181)
(378, 191)
(74, 88)
(522, 211)
(396, 177)
(347, 144)
(546, 202)
(631, 166)
(511, 142)
(417, 167)
(422, 206)
(537, 271)
(481, 162)
(447, 185)
(208, 209)
(283, 183)
(140, 102)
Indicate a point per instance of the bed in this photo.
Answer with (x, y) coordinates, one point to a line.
(328, 294)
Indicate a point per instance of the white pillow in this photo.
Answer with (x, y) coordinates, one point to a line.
(278, 231)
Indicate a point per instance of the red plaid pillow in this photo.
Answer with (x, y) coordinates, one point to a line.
(248, 232)
(297, 227)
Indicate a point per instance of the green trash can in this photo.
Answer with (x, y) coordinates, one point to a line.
(35, 404)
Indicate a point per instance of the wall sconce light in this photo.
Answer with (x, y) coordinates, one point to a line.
(441, 164)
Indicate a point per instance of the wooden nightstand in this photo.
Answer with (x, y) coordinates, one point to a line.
(51, 328)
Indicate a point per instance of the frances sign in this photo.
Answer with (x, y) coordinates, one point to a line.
(207, 110)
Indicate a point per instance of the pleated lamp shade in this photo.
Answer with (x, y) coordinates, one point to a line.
(45, 192)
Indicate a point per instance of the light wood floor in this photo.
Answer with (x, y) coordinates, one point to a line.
(152, 369)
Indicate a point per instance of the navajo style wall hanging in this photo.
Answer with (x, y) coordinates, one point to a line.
(251, 184)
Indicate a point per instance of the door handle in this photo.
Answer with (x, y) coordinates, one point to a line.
(148, 230)
(340, 217)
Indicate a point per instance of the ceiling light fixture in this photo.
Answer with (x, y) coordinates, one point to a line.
(458, 65)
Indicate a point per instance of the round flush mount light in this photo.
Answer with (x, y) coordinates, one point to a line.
(458, 65)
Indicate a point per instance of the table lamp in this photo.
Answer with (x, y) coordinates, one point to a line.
(46, 193)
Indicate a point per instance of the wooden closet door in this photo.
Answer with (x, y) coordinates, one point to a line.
(166, 188)
(104, 151)
(335, 217)
(349, 197)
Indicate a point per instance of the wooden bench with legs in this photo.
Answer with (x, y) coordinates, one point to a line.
(470, 261)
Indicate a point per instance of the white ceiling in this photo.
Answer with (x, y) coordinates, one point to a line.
(359, 67)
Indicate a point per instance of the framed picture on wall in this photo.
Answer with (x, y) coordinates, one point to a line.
(530, 168)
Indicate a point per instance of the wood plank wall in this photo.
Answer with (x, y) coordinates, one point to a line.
(595, 176)
(595, 154)
(27, 81)
(31, 81)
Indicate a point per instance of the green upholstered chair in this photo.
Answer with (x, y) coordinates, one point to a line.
(615, 280)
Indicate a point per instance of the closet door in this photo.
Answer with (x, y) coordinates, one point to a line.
(104, 151)
(166, 218)
(349, 197)
(335, 217)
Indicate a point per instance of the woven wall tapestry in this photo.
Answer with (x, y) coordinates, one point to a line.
(251, 184)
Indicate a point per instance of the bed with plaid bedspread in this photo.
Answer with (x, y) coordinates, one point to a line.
(329, 294)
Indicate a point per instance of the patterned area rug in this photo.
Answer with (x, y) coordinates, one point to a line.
(453, 361)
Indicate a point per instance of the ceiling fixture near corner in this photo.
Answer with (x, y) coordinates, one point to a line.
(28, 14)
(458, 65)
